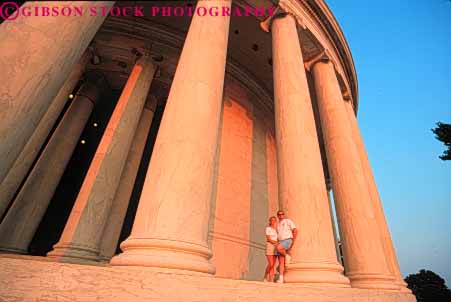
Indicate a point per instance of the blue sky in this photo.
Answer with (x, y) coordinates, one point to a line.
(402, 53)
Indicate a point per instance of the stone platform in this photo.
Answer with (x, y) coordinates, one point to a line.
(24, 278)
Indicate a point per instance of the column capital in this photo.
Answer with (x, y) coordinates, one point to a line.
(95, 84)
(93, 56)
(144, 59)
(347, 98)
(142, 52)
(144, 56)
(323, 56)
(281, 11)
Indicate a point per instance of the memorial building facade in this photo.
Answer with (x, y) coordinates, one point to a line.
(142, 153)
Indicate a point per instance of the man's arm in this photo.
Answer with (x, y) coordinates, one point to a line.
(295, 234)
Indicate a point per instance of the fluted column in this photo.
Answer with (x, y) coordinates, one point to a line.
(388, 247)
(113, 227)
(171, 224)
(302, 187)
(365, 261)
(82, 234)
(28, 208)
(22, 164)
(38, 54)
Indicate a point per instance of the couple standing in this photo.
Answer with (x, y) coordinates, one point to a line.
(280, 237)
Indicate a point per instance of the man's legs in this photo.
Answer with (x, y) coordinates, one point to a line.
(281, 268)
(281, 249)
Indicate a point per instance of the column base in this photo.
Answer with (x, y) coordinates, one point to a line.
(13, 250)
(104, 259)
(403, 287)
(321, 274)
(71, 253)
(373, 281)
(164, 253)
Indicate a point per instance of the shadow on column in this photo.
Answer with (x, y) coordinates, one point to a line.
(42, 148)
(142, 171)
(214, 190)
(259, 203)
(57, 214)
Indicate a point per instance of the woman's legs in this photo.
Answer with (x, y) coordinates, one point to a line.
(269, 267)
(272, 262)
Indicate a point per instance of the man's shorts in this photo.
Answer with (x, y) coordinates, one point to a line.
(286, 243)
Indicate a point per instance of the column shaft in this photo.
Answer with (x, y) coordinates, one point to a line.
(302, 187)
(389, 249)
(113, 227)
(38, 54)
(23, 218)
(81, 237)
(171, 224)
(22, 164)
(365, 262)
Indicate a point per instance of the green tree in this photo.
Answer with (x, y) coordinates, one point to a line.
(427, 286)
(443, 133)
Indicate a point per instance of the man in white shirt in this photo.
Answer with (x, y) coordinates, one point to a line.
(286, 234)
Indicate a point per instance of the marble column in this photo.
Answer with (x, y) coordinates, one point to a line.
(38, 54)
(22, 164)
(23, 218)
(365, 261)
(171, 224)
(302, 187)
(113, 227)
(389, 249)
(82, 234)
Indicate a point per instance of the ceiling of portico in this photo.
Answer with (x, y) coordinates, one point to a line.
(249, 48)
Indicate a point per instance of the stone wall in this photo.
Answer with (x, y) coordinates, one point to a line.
(245, 192)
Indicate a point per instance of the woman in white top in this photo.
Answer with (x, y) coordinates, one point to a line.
(271, 242)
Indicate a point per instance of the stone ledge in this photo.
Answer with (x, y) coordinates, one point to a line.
(28, 278)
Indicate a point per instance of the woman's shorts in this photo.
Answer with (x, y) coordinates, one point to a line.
(270, 249)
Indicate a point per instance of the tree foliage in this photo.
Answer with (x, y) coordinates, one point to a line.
(427, 286)
(443, 133)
